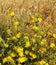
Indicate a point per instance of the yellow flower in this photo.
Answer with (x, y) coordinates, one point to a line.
(21, 54)
(46, 64)
(6, 45)
(35, 35)
(33, 48)
(12, 14)
(8, 39)
(26, 37)
(52, 45)
(39, 19)
(35, 28)
(0, 39)
(15, 48)
(8, 31)
(16, 23)
(4, 60)
(26, 52)
(43, 33)
(18, 35)
(54, 35)
(33, 40)
(9, 58)
(39, 36)
(42, 62)
(42, 50)
(14, 39)
(32, 55)
(27, 44)
(19, 49)
(19, 64)
(43, 42)
(22, 59)
(12, 54)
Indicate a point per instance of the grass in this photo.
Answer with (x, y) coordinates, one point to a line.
(47, 8)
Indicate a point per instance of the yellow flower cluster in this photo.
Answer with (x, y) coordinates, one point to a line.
(35, 28)
(43, 42)
(6, 45)
(16, 23)
(42, 62)
(18, 35)
(8, 31)
(54, 35)
(52, 45)
(39, 19)
(12, 13)
(22, 59)
(8, 59)
(27, 43)
(32, 55)
(42, 50)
